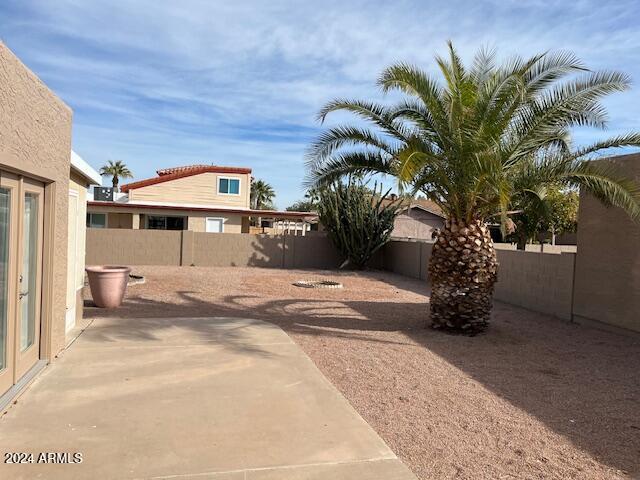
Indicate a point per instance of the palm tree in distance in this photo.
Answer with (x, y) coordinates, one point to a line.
(117, 169)
(262, 195)
(473, 143)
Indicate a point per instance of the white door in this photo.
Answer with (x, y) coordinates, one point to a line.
(72, 260)
(214, 225)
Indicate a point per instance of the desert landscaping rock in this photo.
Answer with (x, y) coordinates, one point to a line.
(527, 399)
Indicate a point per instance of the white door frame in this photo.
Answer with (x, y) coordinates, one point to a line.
(70, 318)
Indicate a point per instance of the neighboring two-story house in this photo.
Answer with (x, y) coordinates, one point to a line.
(200, 198)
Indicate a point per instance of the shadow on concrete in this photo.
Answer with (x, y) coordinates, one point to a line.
(580, 382)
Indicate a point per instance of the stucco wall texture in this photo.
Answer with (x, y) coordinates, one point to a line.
(608, 262)
(35, 138)
(416, 223)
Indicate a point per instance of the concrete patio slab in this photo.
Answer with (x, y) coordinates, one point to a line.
(191, 398)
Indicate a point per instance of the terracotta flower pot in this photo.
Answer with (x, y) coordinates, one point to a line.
(108, 284)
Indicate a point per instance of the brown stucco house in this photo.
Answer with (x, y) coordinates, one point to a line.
(41, 230)
(418, 219)
(199, 198)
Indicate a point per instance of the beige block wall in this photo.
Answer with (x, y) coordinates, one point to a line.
(35, 140)
(607, 265)
(224, 250)
(158, 247)
(199, 189)
(106, 246)
(409, 258)
(310, 252)
(537, 281)
(608, 259)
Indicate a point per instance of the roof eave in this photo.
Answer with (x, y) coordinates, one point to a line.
(249, 213)
(82, 168)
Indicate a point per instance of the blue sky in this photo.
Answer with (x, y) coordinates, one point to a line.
(160, 83)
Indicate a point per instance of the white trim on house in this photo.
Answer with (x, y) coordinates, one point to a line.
(84, 169)
(70, 315)
(70, 319)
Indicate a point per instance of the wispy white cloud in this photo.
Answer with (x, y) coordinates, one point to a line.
(160, 82)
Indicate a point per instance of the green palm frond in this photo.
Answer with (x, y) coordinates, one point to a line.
(551, 67)
(626, 140)
(117, 170)
(354, 163)
(417, 83)
(414, 112)
(484, 63)
(369, 111)
(413, 158)
(604, 182)
(335, 138)
(261, 195)
(484, 136)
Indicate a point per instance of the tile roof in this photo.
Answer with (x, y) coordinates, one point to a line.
(182, 168)
(167, 174)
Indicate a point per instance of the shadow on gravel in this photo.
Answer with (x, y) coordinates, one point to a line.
(582, 383)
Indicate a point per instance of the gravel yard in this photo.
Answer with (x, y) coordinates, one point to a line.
(532, 398)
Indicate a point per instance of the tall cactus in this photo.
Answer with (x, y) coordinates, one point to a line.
(359, 221)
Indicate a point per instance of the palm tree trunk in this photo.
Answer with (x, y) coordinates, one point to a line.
(463, 270)
(114, 182)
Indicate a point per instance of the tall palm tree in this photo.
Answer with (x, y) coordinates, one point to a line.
(262, 195)
(117, 169)
(473, 143)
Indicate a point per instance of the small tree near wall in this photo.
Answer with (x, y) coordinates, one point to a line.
(359, 220)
